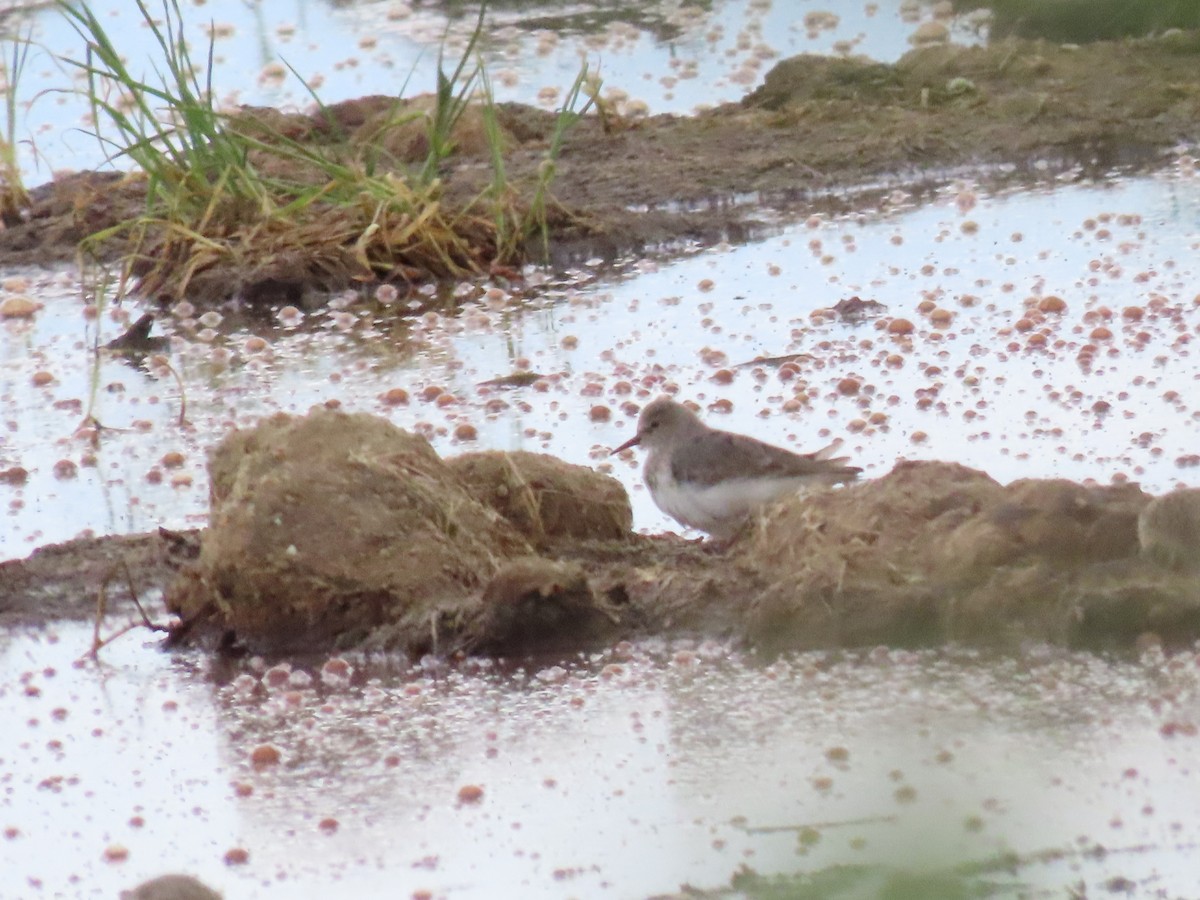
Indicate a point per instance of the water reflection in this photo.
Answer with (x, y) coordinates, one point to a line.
(986, 378)
(654, 57)
(632, 772)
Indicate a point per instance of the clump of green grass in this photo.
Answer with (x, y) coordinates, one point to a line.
(224, 193)
(14, 198)
(169, 130)
(516, 221)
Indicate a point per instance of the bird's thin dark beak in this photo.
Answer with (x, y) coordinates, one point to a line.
(632, 442)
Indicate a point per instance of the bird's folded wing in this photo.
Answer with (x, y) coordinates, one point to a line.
(722, 455)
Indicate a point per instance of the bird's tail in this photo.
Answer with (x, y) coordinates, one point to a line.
(826, 453)
(836, 471)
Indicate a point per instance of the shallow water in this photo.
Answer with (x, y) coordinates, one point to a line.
(630, 773)
(974, 389)
(660, 57)
(655, 765)
(971, 388)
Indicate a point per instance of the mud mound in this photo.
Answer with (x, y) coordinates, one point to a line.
(329, 525)
(545, 499)
(622, 186)
(334, 530)
(337, 529)
(936, 551)
(1169, 530)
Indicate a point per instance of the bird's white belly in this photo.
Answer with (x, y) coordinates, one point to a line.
(719, 508)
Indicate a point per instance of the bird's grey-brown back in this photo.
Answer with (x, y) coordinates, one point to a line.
(711, 479)
(722, 455)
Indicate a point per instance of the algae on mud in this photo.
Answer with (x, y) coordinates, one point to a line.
(1081, 21)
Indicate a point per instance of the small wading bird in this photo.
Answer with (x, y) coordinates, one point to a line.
(713, 480)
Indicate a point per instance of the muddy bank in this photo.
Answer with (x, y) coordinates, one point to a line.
(65, 581)
(815, 126)
(334, 530)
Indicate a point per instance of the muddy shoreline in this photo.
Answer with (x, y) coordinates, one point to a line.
(816, 130)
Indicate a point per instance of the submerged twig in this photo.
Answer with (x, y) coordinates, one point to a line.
(844, 823)
(160, 361)
(102, 610)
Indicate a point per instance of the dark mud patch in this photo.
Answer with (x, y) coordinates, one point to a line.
(815, 128)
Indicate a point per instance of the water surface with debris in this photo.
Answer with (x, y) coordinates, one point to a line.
(653, 765)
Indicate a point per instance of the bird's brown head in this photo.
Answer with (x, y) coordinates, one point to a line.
(659, 421)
